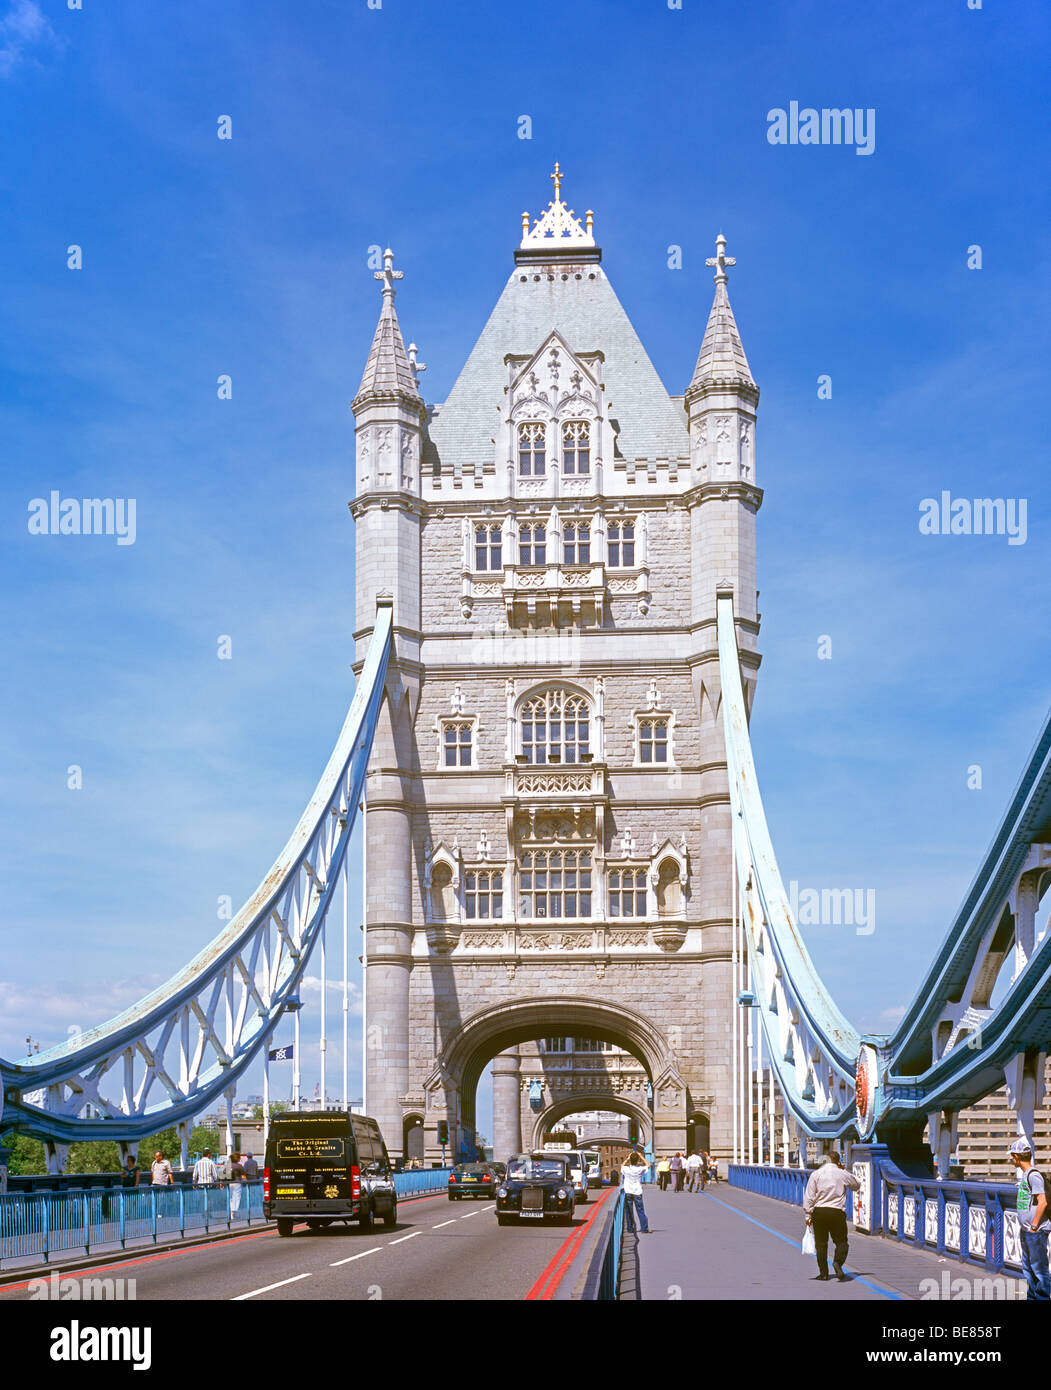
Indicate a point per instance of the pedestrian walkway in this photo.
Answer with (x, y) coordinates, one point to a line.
(725, 1243)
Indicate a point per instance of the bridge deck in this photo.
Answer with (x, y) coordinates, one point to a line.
(726, 1243)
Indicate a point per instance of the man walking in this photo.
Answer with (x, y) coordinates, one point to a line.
(631, 1181)
(161, 1171)
(1034, 1222)
(251, 1168)
(205, 1173)
(695, 1169)
(237, 1180)
(678, 1171)
(825, 1208)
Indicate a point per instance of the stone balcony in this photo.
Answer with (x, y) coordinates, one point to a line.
(554, 595)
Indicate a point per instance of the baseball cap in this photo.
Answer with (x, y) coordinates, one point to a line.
(1021, 1146)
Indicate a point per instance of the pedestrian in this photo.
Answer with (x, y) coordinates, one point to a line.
(663, 1173)
(695, 1171)
(631, 1180)
(678, 1171)
(237, 1181)
(161, 1171)
(825, 1208)
(1034, 1222)
(251, 1168)
(129, 1174)
(205, 1173)
(712, 1164)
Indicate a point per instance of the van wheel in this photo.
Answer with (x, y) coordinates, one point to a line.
(284, 1226)
(391, 1218)
(365, 1218)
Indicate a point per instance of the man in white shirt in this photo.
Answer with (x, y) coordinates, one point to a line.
(695, 1172)
(631, 1174)
(161, 1171)
(825, 1208)
(205, 1173)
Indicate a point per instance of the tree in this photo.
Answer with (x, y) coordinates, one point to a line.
(277, 1107)
(94, 1156)
(27, 1154)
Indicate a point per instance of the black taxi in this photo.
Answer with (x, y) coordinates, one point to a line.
(538, 1187)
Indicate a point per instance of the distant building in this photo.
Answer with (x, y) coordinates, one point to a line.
(988, 1128)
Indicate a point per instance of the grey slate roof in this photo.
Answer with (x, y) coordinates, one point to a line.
(387, 369)
(721, 356)
(589, 316)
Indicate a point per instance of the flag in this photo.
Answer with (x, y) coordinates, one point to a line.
(281, 1054)
(317, 1089)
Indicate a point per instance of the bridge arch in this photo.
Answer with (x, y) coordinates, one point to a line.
(452, 1085)
(593, 1100)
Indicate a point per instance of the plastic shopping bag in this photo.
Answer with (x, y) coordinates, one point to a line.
(809, 1245)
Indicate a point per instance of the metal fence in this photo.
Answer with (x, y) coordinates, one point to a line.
(609, 1281)
(48, 1224)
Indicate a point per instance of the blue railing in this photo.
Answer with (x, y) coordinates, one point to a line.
(784, 1184)
(609, 1281)
(48, 1224)
(972, 1221)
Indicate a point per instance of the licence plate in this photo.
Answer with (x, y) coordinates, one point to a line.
(536, 1215)
(289, 1192)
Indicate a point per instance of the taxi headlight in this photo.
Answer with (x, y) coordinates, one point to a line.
(562, 1194)
(501, 1191)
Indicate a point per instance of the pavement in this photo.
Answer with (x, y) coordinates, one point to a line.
(725, 1243)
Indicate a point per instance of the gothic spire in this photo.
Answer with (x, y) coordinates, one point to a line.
(722, 357)
(388, 371)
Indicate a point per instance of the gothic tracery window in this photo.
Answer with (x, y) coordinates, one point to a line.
(576, 543)
(653, 740)
(620, 544)
(576, 448)
(532, 452)
(555, 727)
(457, 742)
(626, 892)
(554, 883)
(483, 894)
(532, 544)
(488, 546)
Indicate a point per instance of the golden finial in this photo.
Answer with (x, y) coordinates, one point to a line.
(557, 176)
(525, 224)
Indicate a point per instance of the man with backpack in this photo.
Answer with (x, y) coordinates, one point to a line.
(1034, 1222)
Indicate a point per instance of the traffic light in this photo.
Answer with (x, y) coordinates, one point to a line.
(443, 1131)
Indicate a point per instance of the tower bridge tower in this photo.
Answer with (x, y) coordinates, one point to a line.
(548, 825)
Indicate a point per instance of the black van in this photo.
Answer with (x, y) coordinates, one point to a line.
(327, 1165)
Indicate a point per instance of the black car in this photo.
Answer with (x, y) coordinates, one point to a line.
(538, 1187)
(472, 1180)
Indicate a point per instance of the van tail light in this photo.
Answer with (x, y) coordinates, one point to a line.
(452, 1177)
(355, 1182)
(266, 1184)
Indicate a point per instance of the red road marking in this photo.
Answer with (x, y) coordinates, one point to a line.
(47, 1270)
(545, 1286)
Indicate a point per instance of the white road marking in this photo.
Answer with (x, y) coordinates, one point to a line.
(359, 1256)
(280, 1284)
(443, 1223)
(472, 1213)
(401, 1238)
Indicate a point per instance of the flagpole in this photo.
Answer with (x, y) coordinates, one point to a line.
(364, 948)
(346, 991)
(324, 990)
(266, 1092)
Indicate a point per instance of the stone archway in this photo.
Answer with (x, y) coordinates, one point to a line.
(594, 1100)
(452, 1084)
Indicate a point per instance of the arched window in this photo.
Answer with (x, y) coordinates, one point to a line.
(555, 727)
(669, 889)
(653, 740)
(576, 447)
(576, 543)
(532, 457)
(532, 544)
(620, 544)
(554, 883)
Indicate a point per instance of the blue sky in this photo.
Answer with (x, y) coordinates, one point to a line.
(353, 127)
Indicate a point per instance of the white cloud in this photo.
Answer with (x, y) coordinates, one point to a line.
(51, 1013)
(22, 28)
(311, 985)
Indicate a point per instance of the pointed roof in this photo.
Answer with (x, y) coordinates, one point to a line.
(722, 356)
(388, 371)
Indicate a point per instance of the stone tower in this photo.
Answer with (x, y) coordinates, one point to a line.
(548, 828)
